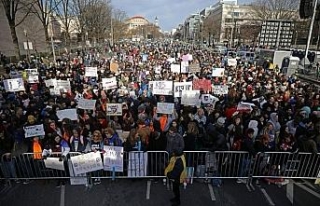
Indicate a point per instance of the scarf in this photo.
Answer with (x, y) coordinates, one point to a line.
(163, 122)
(37, 150)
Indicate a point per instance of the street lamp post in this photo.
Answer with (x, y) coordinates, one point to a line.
(28, 49)
(51, 38)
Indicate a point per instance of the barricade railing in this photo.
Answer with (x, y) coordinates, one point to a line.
(151, 164)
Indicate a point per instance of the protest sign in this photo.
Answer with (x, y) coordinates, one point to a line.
(13, 85)
(109, 83)
(61, 86)
(220, 89)
(161, 87)
(245, 106)
(114, 109)
(67, 113)
(80, 179)
(201, 84)
(86, 163)
(33, 131)
(137, 164)
(91, 72)
(207, 98)
(181, 86)
(54, 163)
(50, 82)
(232, 62)
(86, 104)
(114, 67)
(217, 72)
(190, 98)
(171, 60)
(175, 68)
(32, 76)
(165, 108)
(194, 68)
(145, 57)
(113, 158)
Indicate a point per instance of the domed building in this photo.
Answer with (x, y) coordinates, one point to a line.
(136, 21)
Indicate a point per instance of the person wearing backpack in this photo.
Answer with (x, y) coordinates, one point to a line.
(176, 173)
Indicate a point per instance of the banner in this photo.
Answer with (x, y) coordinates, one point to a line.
(114, 109)
(220, 89)
(33, 131)
(86, 104)
(161, 87)
(80, 179)
(137, 164)
(109, 83)
(54, 163)
(13, 85)
(232, 62)
(91, 72)
(194, 68)
(181, 86)
(61, 86)
(165, 108)
(190, 98)
(86, 163)
(202, 84)
(32, 76)
(217, 72)
(113, 158)
(67, 113)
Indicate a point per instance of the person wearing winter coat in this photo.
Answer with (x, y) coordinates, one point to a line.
(174, 141)
(274, 133)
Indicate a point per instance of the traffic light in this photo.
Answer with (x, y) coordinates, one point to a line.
(306, 9)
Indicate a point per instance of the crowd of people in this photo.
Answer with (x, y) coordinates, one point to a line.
(283, 114)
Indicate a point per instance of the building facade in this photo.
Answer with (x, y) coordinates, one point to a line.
(136, 21)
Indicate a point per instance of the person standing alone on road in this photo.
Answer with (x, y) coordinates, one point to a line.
(176, 173)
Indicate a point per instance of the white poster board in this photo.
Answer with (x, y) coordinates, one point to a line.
(114, 109)
(67, 113)
(191, 98)
(61, 86)
(181, 86)
(32, 76)
(91, 72)
(137, 164)
(13, 85)
(113, 158)
(89, 104)
(86, 163)
(54, 163)
(34, 131)
(165, 108)
(109, 83)
(232, 62)
(217, 72)
(220, 89)
(175, 68)
(80, 179)
(161, 87)
(50, 82)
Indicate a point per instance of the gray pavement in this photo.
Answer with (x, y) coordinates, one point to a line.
(133, 193)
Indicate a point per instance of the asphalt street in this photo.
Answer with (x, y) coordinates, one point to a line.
(134, 193)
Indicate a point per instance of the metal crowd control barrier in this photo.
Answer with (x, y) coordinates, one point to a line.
(202, 164)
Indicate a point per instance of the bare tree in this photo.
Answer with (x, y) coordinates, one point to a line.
(274, 9)
(43, 9)
(119, 26)
(209, 28)
(16, 11)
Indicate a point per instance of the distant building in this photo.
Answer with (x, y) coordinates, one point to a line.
(136, 21)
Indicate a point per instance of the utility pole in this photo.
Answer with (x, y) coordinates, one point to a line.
(310, 29)
(52, 42)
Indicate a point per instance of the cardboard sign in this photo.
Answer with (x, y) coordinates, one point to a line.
(175, 68)
(113, 158)
(165, 108)
(67, 113)
(54, 163)
(161, 87)
(220, 89)
(137, 164)
(181, 86)
(194, 68)
(87, 163)
(109, 83)
(201, 84)
(114, 109)
(91, 72)
(61, 86)
(34, 131)
(86, 104)
(114, 67)
(13, 85)
(217, 72)
(191, 98)
(32, 76)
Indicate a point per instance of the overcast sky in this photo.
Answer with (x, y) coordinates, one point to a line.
(170, 13)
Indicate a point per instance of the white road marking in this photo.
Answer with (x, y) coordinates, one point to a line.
(62, 195)
(289, 189)
(148, 189)
(268, 198)
(213, 197)
(308, 190)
